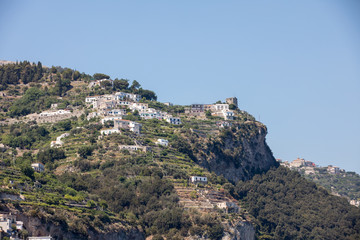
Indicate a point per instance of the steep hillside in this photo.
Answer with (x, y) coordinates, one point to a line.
(236, 153)
(286, 206)
(88, 157)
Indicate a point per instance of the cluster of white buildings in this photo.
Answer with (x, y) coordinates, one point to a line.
(113, 107)
(300, 163)
(54, 113)
(110, 101)
(333, 169)
(218, 109)
(308, 166)
(7, 220)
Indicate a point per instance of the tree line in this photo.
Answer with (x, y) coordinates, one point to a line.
(25, 72)
(287, 206)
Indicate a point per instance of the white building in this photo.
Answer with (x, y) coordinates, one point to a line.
(126, 124)
(110, 118)
(7, 220)
(62, 136)
(173, 120)
(355, 203)
(333, 170)
(128, 96)
(223, 124)
(139, 106)
(228, 206)
(38, 167)
(123, 103)
(162, 142)
(309, 170)
(54, 113)
(219, 107)
(228, 115)
(109, 131)
(59, 142)
(152, 115)
(133, 148)
(93, 115)
(299, 162)
(198, 179)
(54, 144)
(115, 112)
(91, 99)
(40, 238)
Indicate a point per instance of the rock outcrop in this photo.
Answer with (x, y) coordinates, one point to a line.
(237, 153)
(242, 230)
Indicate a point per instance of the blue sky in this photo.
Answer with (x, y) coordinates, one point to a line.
(294, 65)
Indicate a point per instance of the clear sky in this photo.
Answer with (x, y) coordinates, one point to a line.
(294, 65)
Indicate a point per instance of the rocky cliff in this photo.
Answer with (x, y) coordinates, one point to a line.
(242, 230)
(42, 224)
(37, 227)
(237, 153)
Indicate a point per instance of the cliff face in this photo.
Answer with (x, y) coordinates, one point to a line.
(239, 231)
(37, 227)
(236, 153)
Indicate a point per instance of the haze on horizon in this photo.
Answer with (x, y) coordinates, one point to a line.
(295, 66)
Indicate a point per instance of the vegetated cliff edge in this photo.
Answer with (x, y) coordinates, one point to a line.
(37, 227)
(41, 223)
(237, 153)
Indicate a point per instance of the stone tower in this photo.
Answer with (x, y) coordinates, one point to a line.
(232, 100)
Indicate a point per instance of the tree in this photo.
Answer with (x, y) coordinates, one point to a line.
(121, 84)
(135, 85)
(147, 94)
(67, 74)
(208, 113)
(106, 84)
(64, 125)
(50, 155)
(76, 75)
(99, 76)
(85, 151)
(232, 107)
(53, 69)
(28, 171)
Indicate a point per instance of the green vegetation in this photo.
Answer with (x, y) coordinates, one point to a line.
(89, 185)
(286, 206)
(22, 71)
(25, 135)
(347, 184)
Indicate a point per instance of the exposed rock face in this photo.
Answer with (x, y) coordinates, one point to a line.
(36, 227)
(237, 153)
(240, 231)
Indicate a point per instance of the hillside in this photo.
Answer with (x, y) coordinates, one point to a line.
(91, 157)
(338, 181)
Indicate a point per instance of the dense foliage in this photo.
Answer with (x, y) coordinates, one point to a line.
(346, 184)
(97, 185)
(286, 206)
(22, 71)
(25, 135)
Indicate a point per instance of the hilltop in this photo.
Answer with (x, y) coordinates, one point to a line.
(337, 181)
(94, 157)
